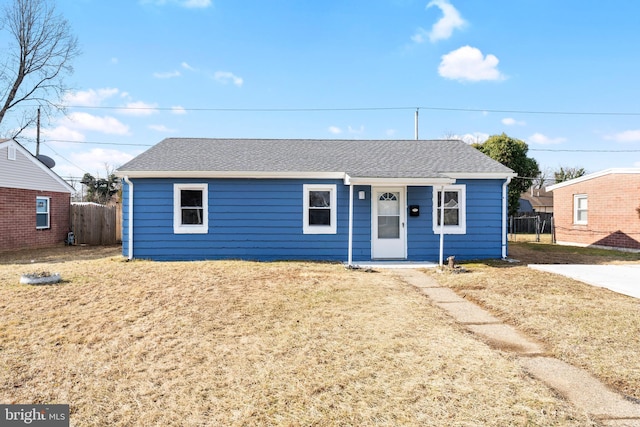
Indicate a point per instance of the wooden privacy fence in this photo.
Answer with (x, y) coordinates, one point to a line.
(94, 224)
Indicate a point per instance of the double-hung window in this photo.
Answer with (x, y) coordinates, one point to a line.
(190, 209)
(43, 215)
(319, 209)
(452, 208)
(580, 209)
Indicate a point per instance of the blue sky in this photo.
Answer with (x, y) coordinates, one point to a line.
(560, 75)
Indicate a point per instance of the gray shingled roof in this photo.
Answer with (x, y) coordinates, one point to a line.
(357, 158)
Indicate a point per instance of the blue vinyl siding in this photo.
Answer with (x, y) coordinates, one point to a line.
(483, 237)
(248, 219)
(263, 220)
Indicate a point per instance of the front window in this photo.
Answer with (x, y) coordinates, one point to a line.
(42, 212)
(190, 208)
(319, 209)
(451, 207)
(580, 209)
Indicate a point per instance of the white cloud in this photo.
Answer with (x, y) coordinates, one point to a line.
(538, 138)
(469, 64)
(473, 138)
(450, 21)
(390, 132)
(161, 128)
(190, 4)
(187, 66)
(626, 136)
(167, 74)
(196, 4)
(96, 158)
(86, 121)
(420, 36)
(179, 110)
(508, 121)
(56, 136)
(89, 98)
(63, 133)
(225, 77)
(356, 131)
(335, 130)
(139, 108)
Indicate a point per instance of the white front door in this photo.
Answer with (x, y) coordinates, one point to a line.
(388, 223)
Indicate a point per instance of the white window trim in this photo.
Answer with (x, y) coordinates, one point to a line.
(461, 228)
(319, 229)
(46, 227)
(11, 152)
(576, 198)
(178, 227)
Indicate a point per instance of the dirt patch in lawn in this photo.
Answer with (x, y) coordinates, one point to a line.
(238, 343)
(586, 326)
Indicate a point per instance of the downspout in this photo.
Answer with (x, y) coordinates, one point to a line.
(504, 217)
(441, 225)
(350, 250)
(130, 238)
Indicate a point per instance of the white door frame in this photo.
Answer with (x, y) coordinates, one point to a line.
(389, 248)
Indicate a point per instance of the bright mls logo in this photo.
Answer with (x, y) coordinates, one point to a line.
(34, 415)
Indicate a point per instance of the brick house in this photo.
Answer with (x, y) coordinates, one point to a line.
(34, 200)
(600, 209)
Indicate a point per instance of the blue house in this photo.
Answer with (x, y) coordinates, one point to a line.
(354, 201)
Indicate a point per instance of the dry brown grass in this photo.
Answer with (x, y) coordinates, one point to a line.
(541, 238)
(587, 326)
(237, 343)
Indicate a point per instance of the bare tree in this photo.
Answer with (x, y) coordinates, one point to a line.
(566, 173)
(543, 178)
(39, 55)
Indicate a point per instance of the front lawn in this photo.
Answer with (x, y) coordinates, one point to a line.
(587, 326)
(238, 343)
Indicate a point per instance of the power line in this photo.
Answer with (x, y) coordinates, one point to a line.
(65, 159)
(553, 150)
(99, 143)
(317, 109)
(567, 150)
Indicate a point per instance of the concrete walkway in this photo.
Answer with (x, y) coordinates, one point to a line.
(579, 387)
(624, 279)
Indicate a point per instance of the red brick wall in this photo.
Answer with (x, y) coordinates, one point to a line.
(18, 219)
(612, 216)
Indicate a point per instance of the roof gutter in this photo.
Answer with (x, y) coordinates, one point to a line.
(350, 180)
(130, 237)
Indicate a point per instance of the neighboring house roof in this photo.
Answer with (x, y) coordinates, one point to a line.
(594, 175)
(538, 198)
(20, 169)
(365, 159)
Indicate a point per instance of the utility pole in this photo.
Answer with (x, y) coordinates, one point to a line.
(38, 134)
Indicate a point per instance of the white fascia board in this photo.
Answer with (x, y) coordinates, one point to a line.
(349, 180)
(480, 175)
(68, 188)
(230, 174)
(592, 176)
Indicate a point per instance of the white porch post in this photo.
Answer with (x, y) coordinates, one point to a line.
(350, 250)
(504, 217)
(441, 225)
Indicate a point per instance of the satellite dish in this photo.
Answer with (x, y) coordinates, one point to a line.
(48, 161)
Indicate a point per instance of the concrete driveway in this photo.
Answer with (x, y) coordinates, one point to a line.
(624, 279)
